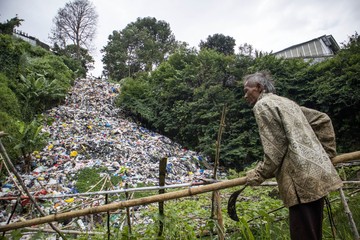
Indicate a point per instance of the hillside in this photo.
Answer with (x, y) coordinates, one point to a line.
(89, 132)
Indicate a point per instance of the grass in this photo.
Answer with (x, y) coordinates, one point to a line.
(189, 218)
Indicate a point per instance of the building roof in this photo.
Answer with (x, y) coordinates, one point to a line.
(323, 46)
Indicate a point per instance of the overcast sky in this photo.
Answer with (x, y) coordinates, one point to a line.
(268, 25)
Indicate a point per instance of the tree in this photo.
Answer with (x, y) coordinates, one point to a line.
(220, 43)
(249, 51)
(75, 23)
(140, 46)
(82, 65)
(8, 27)
(246, 50)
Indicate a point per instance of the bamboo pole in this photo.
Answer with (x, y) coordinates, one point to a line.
(30, 229)
(130, 203)
(128, 216)
(10, 165)
(216, 198)
(349, 215)
(264, 184)
(162, 173)
(346, 157)
(146, 200)
(108, 218)
(124, 190)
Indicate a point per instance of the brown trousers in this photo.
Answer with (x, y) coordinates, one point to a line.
(306, 220)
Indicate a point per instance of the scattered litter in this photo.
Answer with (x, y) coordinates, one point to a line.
(88, 131)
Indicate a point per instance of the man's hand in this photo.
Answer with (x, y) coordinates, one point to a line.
(253, 178)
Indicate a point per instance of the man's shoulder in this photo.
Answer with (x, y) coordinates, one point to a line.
(277, 103)
(272, 99)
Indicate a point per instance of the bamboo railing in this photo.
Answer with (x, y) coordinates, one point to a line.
(152, 199)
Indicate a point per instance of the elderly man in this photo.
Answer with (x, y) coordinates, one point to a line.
(298, 143)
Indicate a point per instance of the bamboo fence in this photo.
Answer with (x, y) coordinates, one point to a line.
(190, 191)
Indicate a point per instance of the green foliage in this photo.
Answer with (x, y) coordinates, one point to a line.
(340, 217)
(75, 66)
(140, 46)
(30, 137)
(183, 99)
(78, 64)
(184, 219)
(38, 93)
(9, 126)
(37, 51)
(93, 178)
(8, 27)
(52, 67)
(184, 96)
(220, 43)
(9, 102)
(11, 52)
(31, 80)
(88, 178)
(337, 92)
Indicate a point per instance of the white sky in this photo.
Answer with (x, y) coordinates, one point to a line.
(268, 25)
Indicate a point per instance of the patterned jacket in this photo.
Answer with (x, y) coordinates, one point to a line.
(297, 144)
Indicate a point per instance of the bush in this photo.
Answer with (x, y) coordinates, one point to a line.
(11, 51)
(8, 125)
(75, 66)
(9, 102)
(53, 68)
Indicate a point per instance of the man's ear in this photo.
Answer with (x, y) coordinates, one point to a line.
(260, 87)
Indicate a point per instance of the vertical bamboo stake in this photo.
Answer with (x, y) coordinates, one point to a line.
(216, 199)
(108, 217)
(91, 220)
(1, 164)
(349, 215)
(8, 162)
(128, 218)
(162, 171)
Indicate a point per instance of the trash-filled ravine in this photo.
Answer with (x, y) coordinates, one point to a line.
(89, 131)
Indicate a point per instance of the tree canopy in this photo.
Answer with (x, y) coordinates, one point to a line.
(220, 43)
(139, 47)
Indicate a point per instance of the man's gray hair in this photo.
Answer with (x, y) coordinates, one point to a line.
(263, 78)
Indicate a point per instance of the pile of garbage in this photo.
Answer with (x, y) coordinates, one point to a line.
(88, 131)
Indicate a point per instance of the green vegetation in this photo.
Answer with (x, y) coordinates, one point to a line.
(183, 98)
(261, 214)
(95, 179)
(139, 47)
(32, 80)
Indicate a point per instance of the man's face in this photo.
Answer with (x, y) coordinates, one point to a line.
(252, 92)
